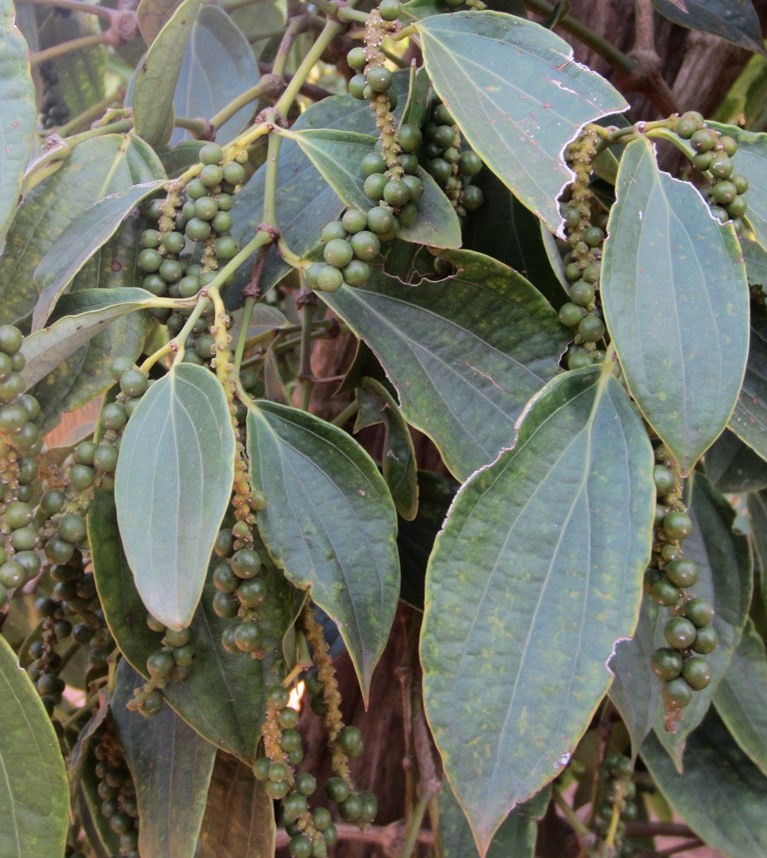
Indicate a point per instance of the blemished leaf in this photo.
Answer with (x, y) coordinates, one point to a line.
(465, 355)
(305, 201)
(535, 577)
(337, 156)
(156, 77)
(205, 700)
(669, 272)
(171, 497)
(398, 463)
(17, 101)
(514, 839)
(726, 580)
(34, 797)
(733, 20)
(153, 15)
(204, 87)
(721, 796)
(635, 690)
(170, 764)
(83, 315)
(749, 419)
(732, 466)
(77, 244)
(239, 815)
(518, 97)
(329, 523)
(95, 169)
(741, 699)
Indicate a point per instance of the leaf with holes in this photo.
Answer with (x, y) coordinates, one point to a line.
(535, 577)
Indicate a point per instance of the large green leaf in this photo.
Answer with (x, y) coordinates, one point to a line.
(34, 797)
(519, 98)
(337, 156)
(239, 816)
(204, 87)
(749, 419)
(305, 201)
(98, 167)
(172, 494)
(170, 764)
(329, 523)
(83, 315)
(156, 77)
(741, 699)
(514, 839)
(722, 795)
(635, 690)
(726, 580)
(223, 698)
(676, 303)
(77, 244)
(465, 356)
(534, 578)
(17, 107)
(734, 20)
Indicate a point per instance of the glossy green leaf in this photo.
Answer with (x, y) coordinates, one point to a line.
(726, 580)
(635, 690)
(517, 95)
(676, 302)
(465, 355)
(749, 419)
(734, 20)
(722, 794)
(535, 577)
(239, 817)
(34, 797)
(203, 86)
(170, 765)
(17, 107)
(97, 168)
(398, 463)
(83, 315)
(514, 839)
(337, 156)
(305, 201)
(77, 244)
(172, 495)
(741, 699)
(223, 697)
(153, 15)
(329, 524)
(156, 77)
(733, 466)
(258, 22)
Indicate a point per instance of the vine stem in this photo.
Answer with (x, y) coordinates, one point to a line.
(268, 85)
(92, 112)
(38, 57)
(414, 828)
(351, 409)
(269, 214)
(586, 35)
(308, 310)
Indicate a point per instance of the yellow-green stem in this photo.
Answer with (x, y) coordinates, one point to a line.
(60, 50)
